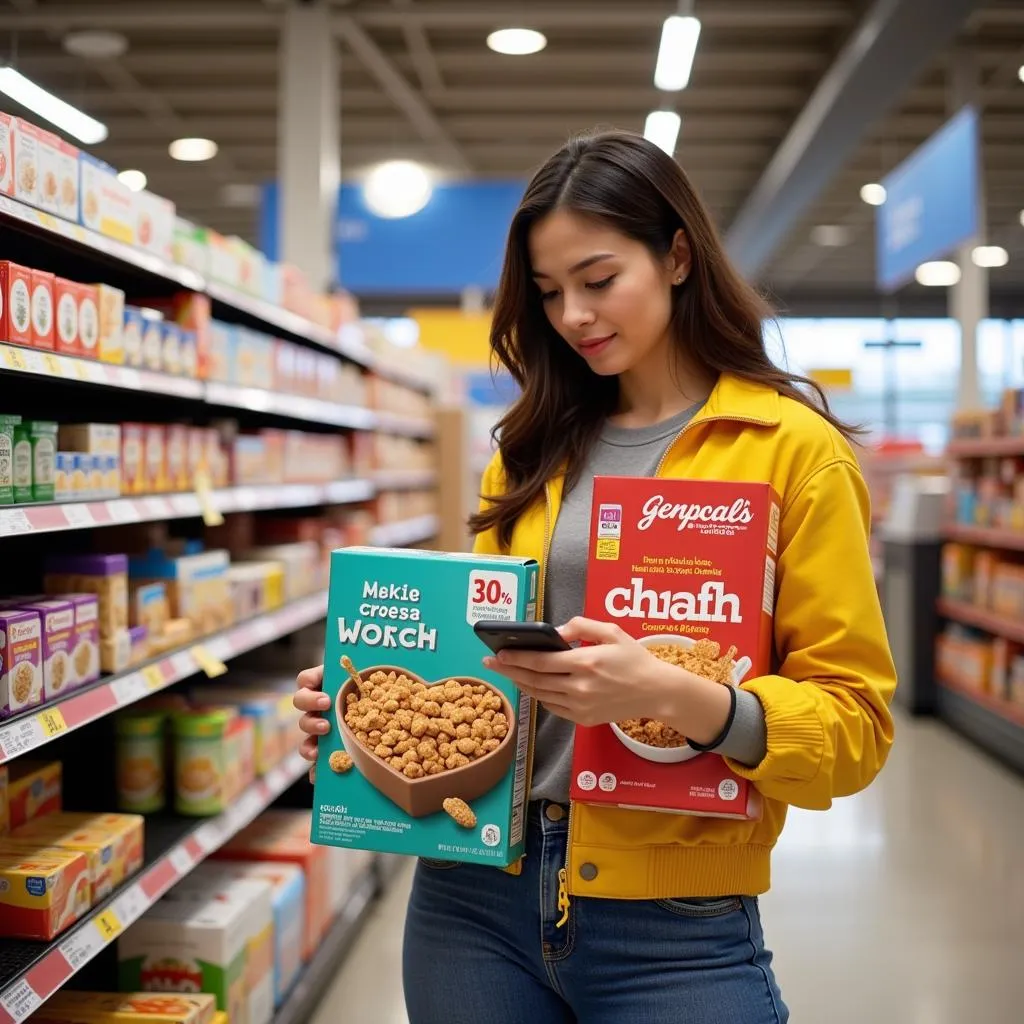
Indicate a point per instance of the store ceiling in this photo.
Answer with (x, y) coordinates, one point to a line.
(209, 68)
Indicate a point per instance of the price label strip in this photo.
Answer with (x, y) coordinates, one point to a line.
(21, 1000)
(21, 737)
(52, 722)
(108, 925)
(153, 676)
(180, 860)
(130, 688)
(204, 492)
(211, 665)
(130, 906)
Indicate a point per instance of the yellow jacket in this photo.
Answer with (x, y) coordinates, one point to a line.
(827, 710)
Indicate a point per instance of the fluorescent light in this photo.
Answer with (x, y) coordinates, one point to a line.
(678, 47)
(937, 274)
(662, 128)
(1022, 218)
(1020, 72)
(98, 45)
(193, 150)
(990, 256)
(135, 180)
(873, 194)
(517, 42)
(397, 188)
(66, 117)
(830, 236)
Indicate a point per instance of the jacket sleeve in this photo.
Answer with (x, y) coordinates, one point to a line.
(487, 543)
(827, 711)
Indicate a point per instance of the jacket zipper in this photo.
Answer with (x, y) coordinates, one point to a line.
(563, 873)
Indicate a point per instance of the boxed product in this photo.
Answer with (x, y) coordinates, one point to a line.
(85, 648)
(89, 320)
(110, 302)
(133, 458)
(402, 659)
(176, 441)
(155, 224)
(197, 585)
(67, 1007)
(106, 576)
(6, 155)
(260, 709)
(141, 760)
(34, 461)
(58, 176)
(149, 606)
(152, 343)
(133, 327)
(94, 438)
(222, 354)
(170, 347)
(154, 467)
(57, 622)
(7, 425)
(33, 790)
(25, 146)
(190, 357)
(107, 206)
(42, 892)
(214, 759)
(21, 671)
(16, 307)
(65, 299)
(301, 562)
(42, 310)
(688, 569)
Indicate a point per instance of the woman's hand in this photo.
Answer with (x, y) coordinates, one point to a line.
(313, 702)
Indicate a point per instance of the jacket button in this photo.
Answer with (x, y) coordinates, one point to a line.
(588, 872)
(554, 812)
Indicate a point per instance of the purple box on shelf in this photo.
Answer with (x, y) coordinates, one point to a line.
(106, 576)
(139, 636)
(85, 649)
(21, 671)
(57, 634)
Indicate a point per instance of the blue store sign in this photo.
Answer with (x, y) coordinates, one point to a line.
(931, 202)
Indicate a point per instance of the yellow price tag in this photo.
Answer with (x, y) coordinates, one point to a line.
(212, 666)
(81, 370)
(204, 494)
(108, 925)
(52, 722)
(54, 367)
(14, 359)
(153, 676)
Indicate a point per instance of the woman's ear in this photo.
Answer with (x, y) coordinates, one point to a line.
(679, 259)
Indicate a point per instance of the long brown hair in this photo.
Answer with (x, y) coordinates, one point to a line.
(635, 188)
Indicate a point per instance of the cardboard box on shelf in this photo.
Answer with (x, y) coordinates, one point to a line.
(16, 308)
(154, 226)
(65, 298)
(132, 330)
(89, 321)
(42, 892)
(106, 576)
(42, 310)
(152, 343)
(687, 568)
(107, 206)
(57, 639)
(6, 155)
(70, 1007)
(25, 148)
(21, 670)
(110, 302)
(58, 176)
(34, 790)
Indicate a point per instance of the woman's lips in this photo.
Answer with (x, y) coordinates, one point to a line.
(592, 346)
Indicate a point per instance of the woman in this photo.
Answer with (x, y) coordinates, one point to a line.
(640, 351)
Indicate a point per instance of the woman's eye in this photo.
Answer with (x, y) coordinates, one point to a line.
(597, 286)
(547, 296)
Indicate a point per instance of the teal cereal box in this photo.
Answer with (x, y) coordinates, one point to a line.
(427, 751)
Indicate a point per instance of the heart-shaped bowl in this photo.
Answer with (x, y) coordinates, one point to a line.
(420, 797)
(673, 755)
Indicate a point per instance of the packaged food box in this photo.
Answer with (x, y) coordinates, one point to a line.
(106, 576)
(301, 562)
(197, 585)
(34, 790)
(214, 759)
(88, 321)
(58, 176)
(42, 310)
(176, 440)
(16, 308)
(190, 354)
(107, 206)
(132, 328)
(42, 892)
(141, 760)
(149, 606)
(444, 775)
(152, 343)
(65, 298)
(85, 645)
(133, 458)
(261, 710)
(154, 468)
(57, 622)
(155, 224)
(116, 651)
(5, 814)
(7, 425)
(170, 351)
(111, 324)
(25, 145)
(6, 155)
(260, 844)
(221, 355)
(687, 568)
(288, 892)
(94, 438)
(68, 1007)
(34, 461)
(21, 670)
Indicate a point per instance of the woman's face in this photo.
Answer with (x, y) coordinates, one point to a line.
(605, 293)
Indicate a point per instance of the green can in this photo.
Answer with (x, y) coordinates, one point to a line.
(7, 425)
(202, 761)
(141, 762)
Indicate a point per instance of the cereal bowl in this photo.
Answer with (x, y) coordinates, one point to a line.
(420, 797)
(672, 755)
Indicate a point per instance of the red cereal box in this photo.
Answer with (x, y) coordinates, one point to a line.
(65, 297)
(687, 567)
(15, 303)
(42, 310)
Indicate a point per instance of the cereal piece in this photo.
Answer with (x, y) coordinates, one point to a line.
(467, 746)
(462, 731)
(481, 730)
(418, 725)
(489, 746)
(433, 767)
(397, 763)
(460, 812)
(456, 760)
(375, 735)
(351, 699)
(391, 706)
(431, 709)
(340, 762)
(383, 751)
(410, 757)
(404, 718)
(405, 746)
(413, 771)
(448, 710)
(416, 704)
(488, 715)
(433, 728)
(445, 750)
(363, 738)
(500, 731)
(446, 726)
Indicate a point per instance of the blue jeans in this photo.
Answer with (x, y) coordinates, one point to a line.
(483, 947)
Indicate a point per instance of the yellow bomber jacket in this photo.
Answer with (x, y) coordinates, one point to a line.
(827, 708)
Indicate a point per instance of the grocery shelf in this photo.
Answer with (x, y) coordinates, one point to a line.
(405, 480)
(405, 532)
(986, 536)
(407, 426)
(17, 520)
(986, 447)
(980, 618)
(322, 970)
(37, 727)
(314, 410)
(995, 725)
(30, 972)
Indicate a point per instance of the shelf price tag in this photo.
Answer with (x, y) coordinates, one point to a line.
(13, 359)
(12, 521)
(130, 688)
(210, 664)
(20, 1000)
(52, 722)
(81, 947)
(19, 738)
(153, 676)
(181, 860)
(131, 905)
(108, 925)
(204, 492)
(54, 367)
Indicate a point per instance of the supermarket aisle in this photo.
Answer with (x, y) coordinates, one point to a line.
(902, 906)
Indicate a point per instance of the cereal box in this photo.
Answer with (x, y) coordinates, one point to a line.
(133, 451)
(7, 427)
(85, 659)
(42, 892)
(111, 323)
(103, 575)
(25, 144)
(42, 310)
(65, 298)
(155, 224)
(94, 438)
(6, 155)
(686, 567)
(5, 812)
(57, 619)
(67, 1007)
(34, 790)
(15, 303)
(89, 320)
(21, 671)
(107, 205)
(132, 328)
(427, 751)
(152, 343)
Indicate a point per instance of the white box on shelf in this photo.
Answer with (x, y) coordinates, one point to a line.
(155, 224)
(107, 206)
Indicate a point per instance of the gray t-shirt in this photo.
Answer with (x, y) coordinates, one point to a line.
(619, 451)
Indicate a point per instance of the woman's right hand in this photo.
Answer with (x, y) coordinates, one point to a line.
(312, 702)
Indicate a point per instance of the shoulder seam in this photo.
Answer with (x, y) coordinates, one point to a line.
(837, 460)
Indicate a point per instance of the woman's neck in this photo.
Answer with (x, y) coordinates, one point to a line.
(659, 391)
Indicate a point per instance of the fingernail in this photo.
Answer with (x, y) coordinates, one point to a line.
(322, 727)
(489, 662)
(324, 702)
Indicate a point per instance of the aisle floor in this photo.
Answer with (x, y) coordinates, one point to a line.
(904, 905)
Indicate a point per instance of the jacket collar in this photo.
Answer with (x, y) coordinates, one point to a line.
(734, 398)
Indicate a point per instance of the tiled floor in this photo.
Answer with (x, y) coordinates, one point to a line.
(904, 905)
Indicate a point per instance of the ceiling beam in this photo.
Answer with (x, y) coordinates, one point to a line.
(888, 49)
(419, 49)
(403, 95)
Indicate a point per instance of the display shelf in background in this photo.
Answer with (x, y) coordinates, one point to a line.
(995, 725)
(980, 618)
(35, 728)
(71, 515)
(30, 972)
(405, 480)
(406, 426)
(986, 536)
(405, 532)
(314, 410)
(986, 447)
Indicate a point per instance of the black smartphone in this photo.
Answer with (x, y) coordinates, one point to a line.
(520, 636)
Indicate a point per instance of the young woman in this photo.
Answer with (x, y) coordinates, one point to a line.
(639, 351)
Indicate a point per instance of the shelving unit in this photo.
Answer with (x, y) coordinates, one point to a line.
(981, 618)
(986, 536)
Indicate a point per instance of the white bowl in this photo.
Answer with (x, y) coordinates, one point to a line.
(673, 755)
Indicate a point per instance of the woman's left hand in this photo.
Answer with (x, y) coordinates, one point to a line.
(610, 681)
